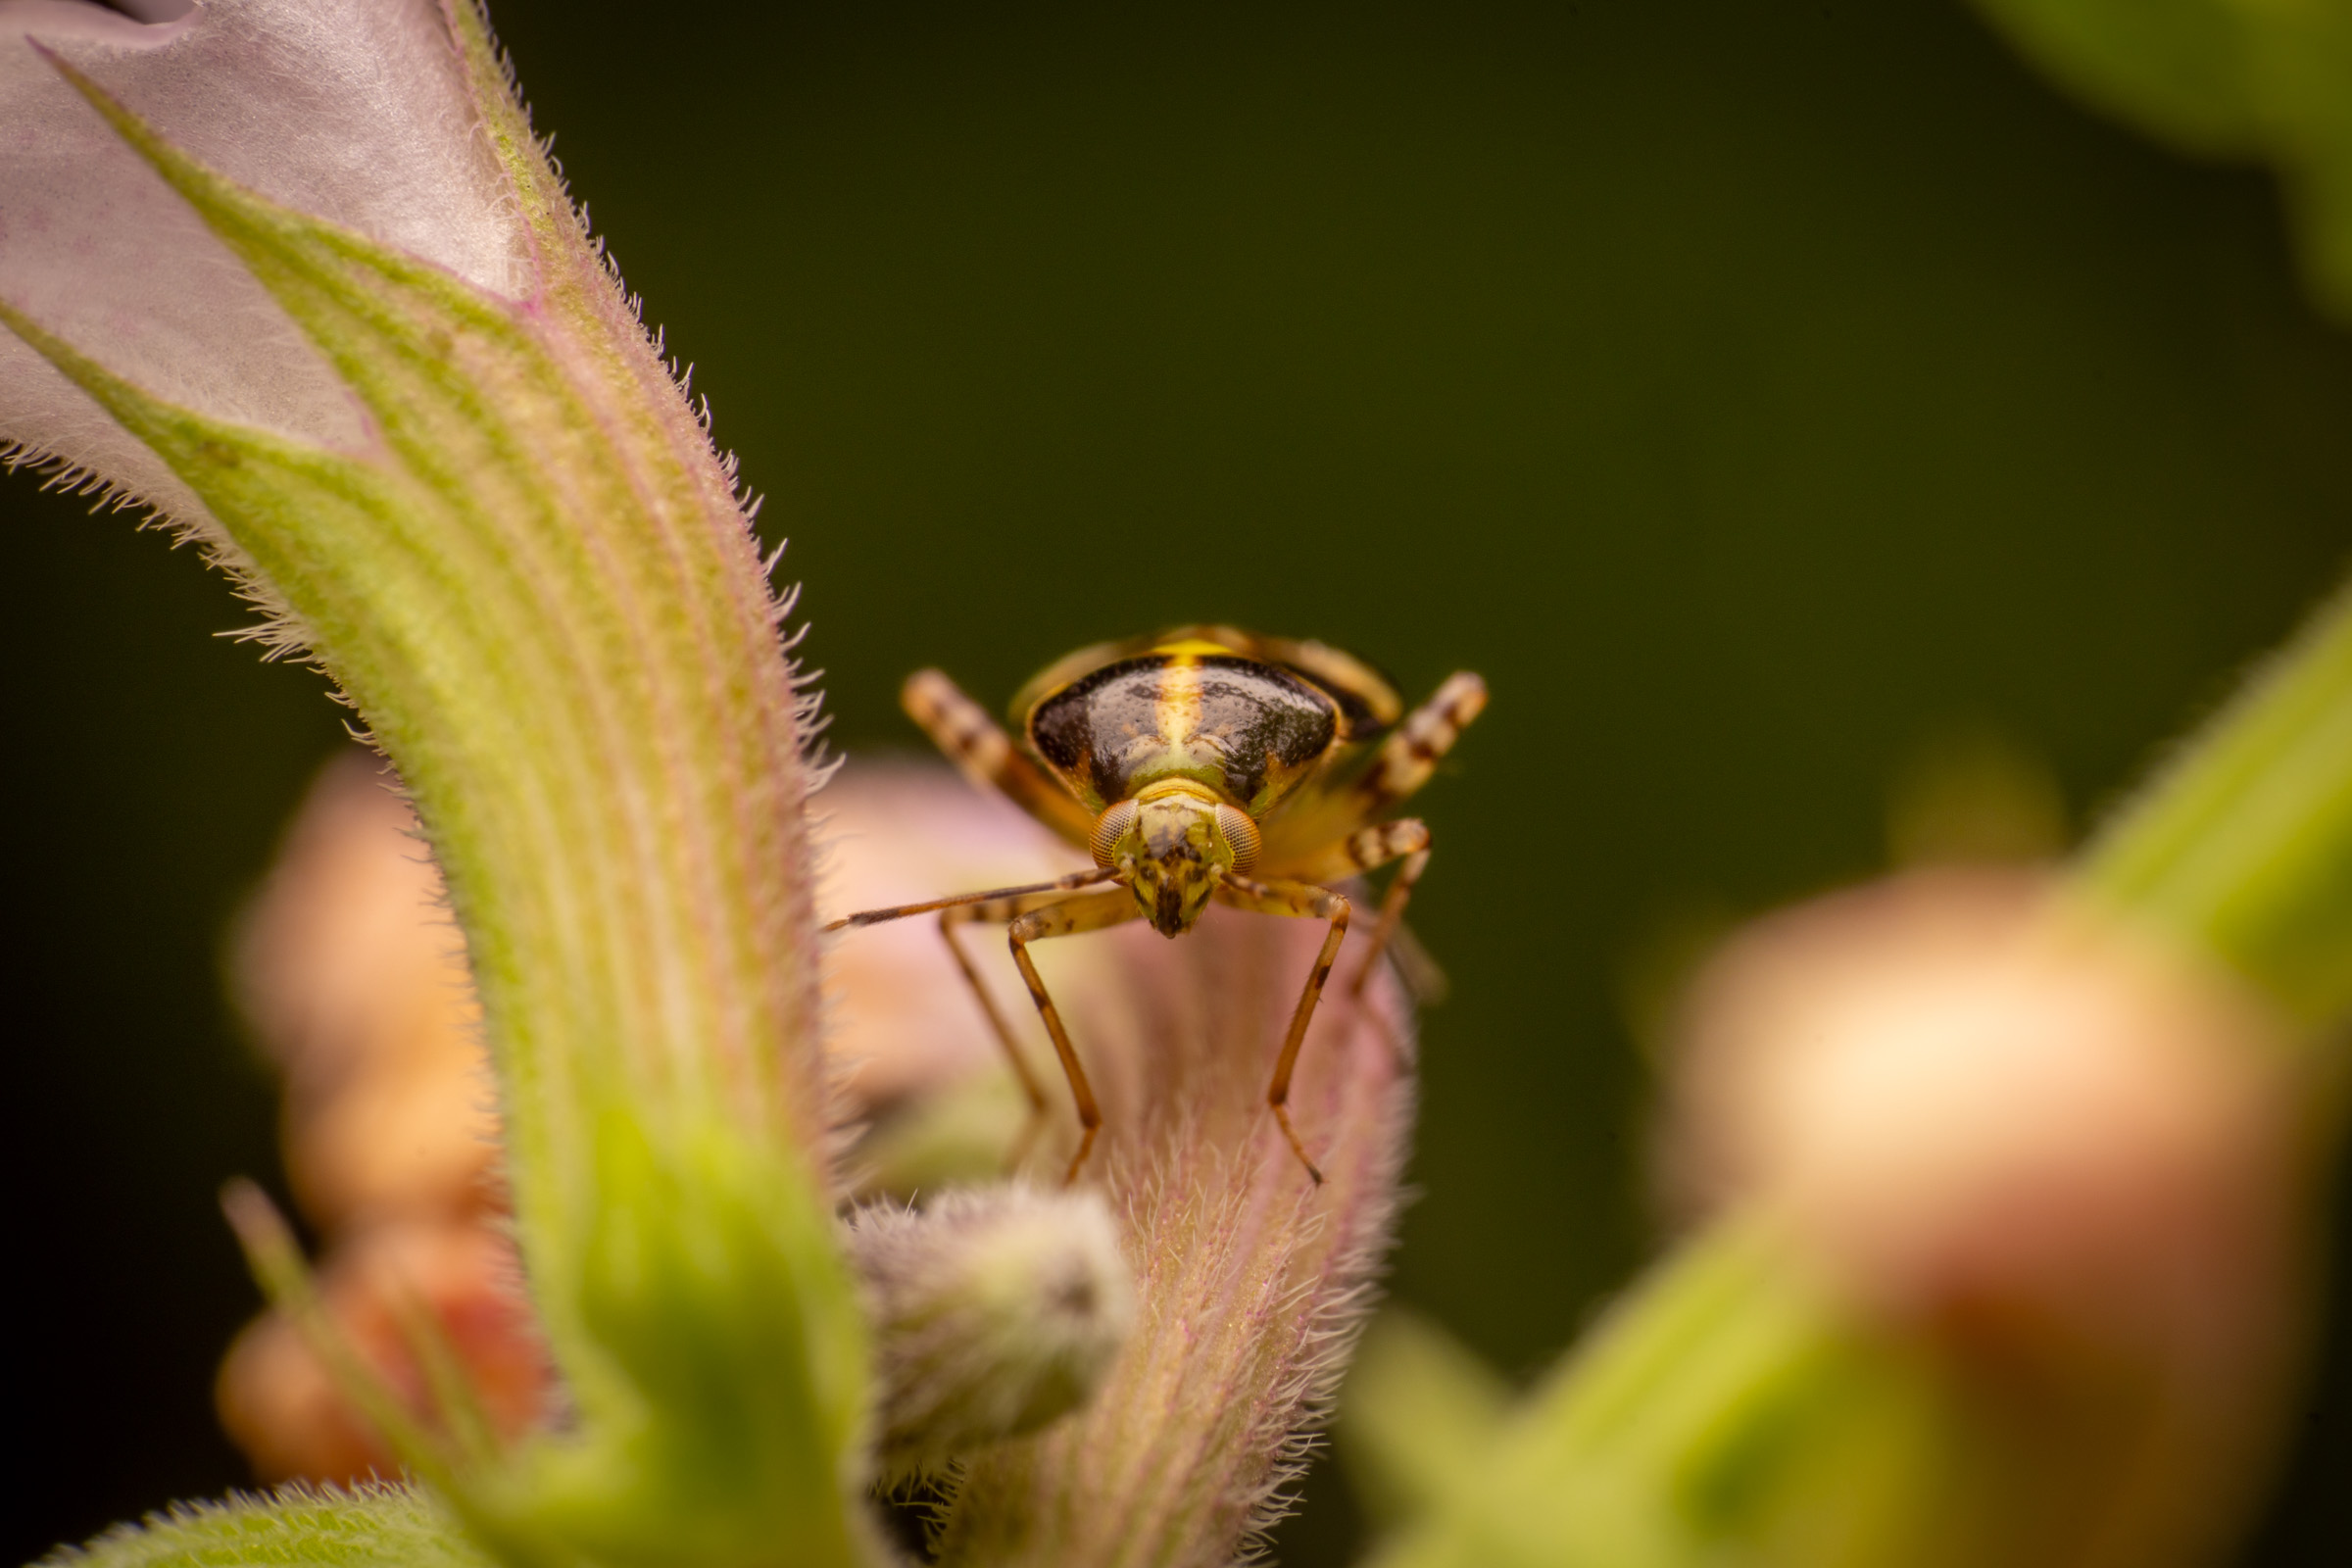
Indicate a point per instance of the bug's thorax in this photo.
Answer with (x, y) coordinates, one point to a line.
(1175, 841)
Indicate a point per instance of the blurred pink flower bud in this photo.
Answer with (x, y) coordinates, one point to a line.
(381, 1286)
(2011, 1130)
(354, 979)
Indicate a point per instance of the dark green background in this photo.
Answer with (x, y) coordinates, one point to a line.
(1749, 391)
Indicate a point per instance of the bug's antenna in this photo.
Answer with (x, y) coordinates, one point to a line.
(899, 911)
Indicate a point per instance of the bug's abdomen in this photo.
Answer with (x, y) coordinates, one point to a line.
(1250, 731)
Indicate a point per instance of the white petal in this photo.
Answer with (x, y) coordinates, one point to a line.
(354, 109)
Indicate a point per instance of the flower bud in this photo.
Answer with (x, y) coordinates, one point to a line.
(995, 1311)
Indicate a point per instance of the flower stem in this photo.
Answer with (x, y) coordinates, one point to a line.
(2245, 845)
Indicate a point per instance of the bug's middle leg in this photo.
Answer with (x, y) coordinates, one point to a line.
(1089, 912)
(1368, 849)
(1305, 900)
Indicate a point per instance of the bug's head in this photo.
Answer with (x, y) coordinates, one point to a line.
(1176, 841)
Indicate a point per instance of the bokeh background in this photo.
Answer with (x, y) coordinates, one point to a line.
(1754, 392)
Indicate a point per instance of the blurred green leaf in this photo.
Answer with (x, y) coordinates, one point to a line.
(1421, 1416)
(1726, 1411)
(1738, 1409)
(2268, 79)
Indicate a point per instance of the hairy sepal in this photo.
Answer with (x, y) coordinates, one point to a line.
(1252, 1280)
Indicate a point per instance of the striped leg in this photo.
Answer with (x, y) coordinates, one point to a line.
(978, 745)
(1411, 752)
(970, 908)
(1091, 912)
(1304, 899)
(1402, 765)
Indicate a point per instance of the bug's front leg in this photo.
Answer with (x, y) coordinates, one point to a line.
(993, 906)
(1091, 912)
(1307, 900)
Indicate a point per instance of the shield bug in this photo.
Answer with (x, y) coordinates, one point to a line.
(1205, 764)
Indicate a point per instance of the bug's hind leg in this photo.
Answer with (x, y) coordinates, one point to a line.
(978, 745)
(1304, 899)
(1392, 922)
(1089, 912)
(1391, 915)
(1410, 754)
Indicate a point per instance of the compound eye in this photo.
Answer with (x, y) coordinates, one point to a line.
(1110, 828)
(1242, 834)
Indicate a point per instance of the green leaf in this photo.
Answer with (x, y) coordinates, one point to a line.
(370, 1527)
(2179, 68)
(1727, 1408)
(1735, 1409)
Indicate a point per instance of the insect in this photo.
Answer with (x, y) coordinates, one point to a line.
(1202, 763)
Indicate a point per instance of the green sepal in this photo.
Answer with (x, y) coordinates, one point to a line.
(732, 1366)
